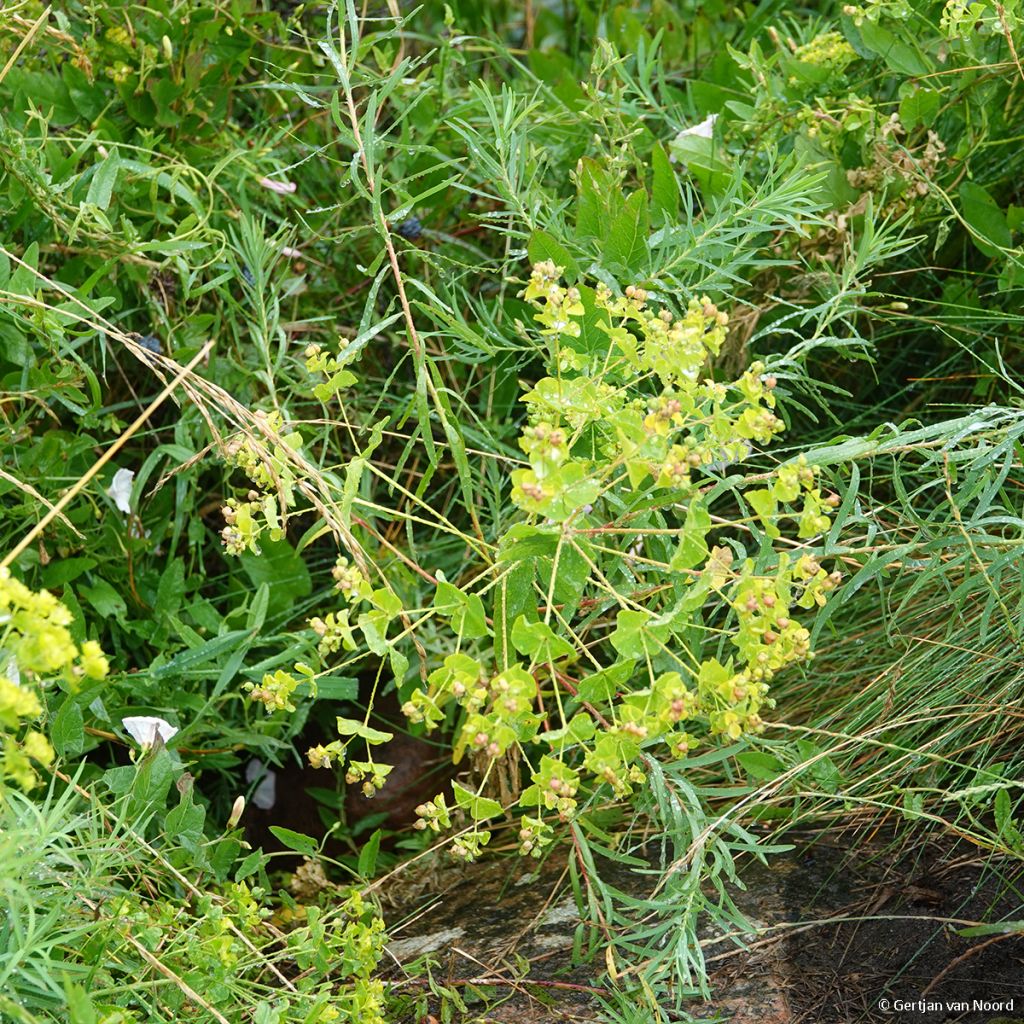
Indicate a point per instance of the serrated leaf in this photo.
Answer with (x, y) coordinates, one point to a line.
(543, 246)
(627, 239)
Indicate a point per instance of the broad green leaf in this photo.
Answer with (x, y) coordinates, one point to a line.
(282, 569)
(664, 187)
(171, 588)
(104, 177)
(67, 730)
(63, 570)
(186, 819)
(104, 598)
(626, 246)
(989, 230)
(543, 246)
(762, 501)
(250, 865)
(367, 864)
(387, 601)
(919, 106)
(599, 200)
(635, 637)
(899, 55)
(605, 684)
(296, 841)
(760, 765)
(513, 597)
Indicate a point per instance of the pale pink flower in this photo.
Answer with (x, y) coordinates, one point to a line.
(282, 188)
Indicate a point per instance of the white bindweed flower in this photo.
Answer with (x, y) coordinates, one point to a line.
(282, 188)
(291, 253)
(121, 489)
(145, 729)
(704, 130)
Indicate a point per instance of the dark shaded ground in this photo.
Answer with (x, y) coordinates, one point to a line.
(858, 927)
(905, 947)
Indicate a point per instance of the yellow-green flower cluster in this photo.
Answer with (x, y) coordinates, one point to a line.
(596, 417)
(334, 632)
(827, 50)
(676, 349)
(336, 377)
(352, 584)
(561, 307)
(35, 647)
(275, 691)
(267, 461)
(498, 709)
(370, 775)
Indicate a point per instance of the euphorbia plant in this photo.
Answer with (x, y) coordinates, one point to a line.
(641, 603)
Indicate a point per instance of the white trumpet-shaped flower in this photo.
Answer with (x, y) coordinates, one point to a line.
(704, 130)
(120, 489)
(145, 730)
